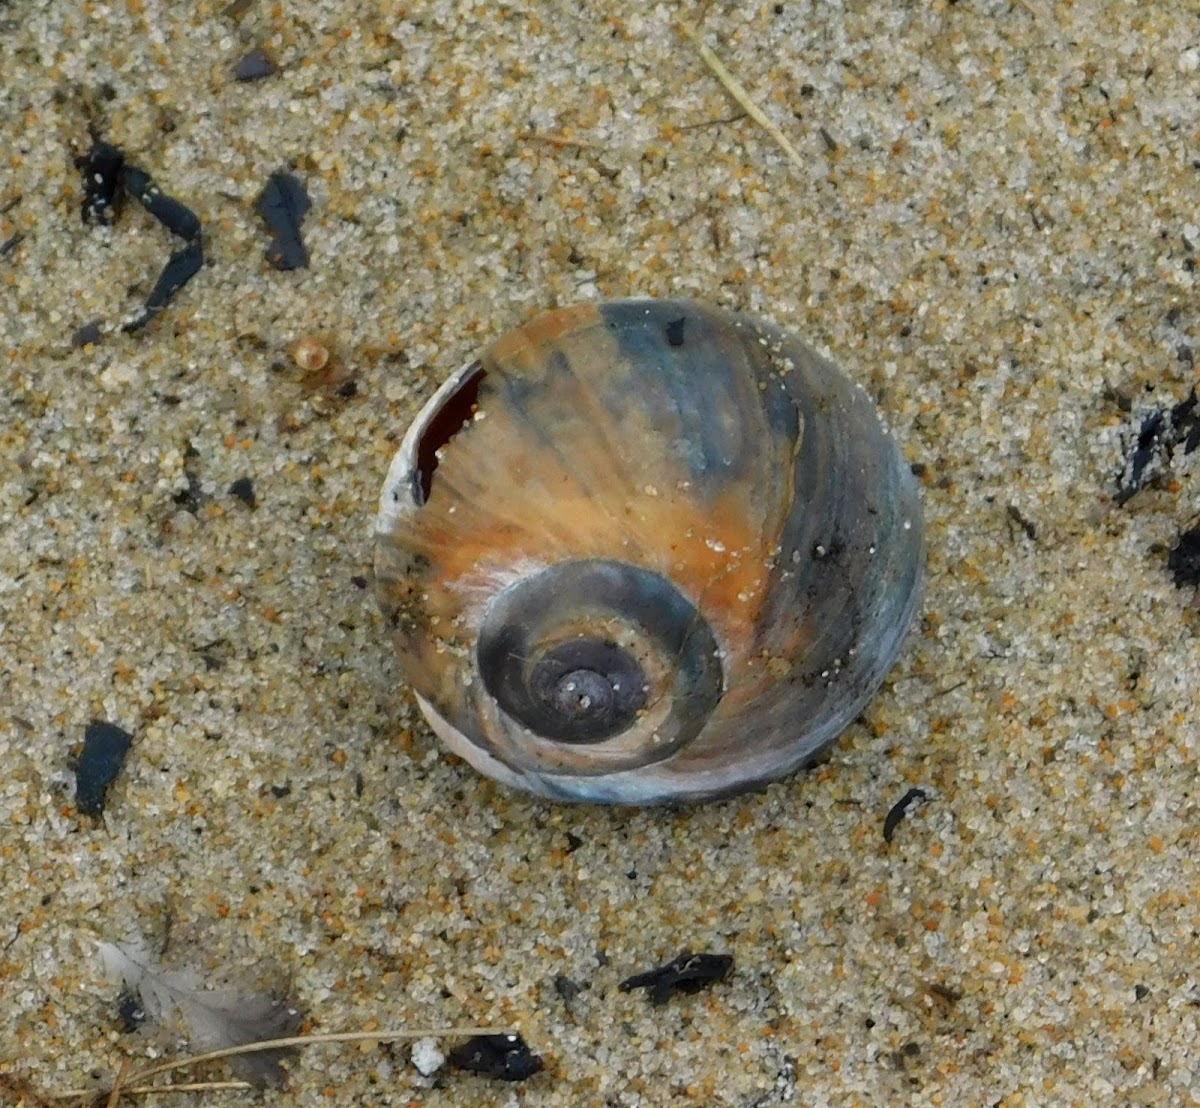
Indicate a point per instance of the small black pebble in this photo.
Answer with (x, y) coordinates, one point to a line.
(88, 333)
(105, 746)
(243, 489)
(280, 791)
(255, 66)
(1184, 559)
(130, 1012)
(687, 973)
(358, 581)
(1141, 992)
(507, 1057)
(567, 989)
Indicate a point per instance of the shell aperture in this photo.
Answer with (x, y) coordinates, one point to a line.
(646, 551)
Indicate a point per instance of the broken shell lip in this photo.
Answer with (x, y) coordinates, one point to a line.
(400, 488)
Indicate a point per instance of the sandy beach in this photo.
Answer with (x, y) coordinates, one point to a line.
(991, 224)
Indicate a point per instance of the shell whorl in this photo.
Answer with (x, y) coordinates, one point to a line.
(645, 551)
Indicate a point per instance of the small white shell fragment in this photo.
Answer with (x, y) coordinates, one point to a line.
(427, 1057)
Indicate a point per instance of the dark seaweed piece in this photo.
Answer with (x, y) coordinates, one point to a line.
(101, 168)
(183, 264)
(1184, 559)
(507, 1057)
(283, 203)
(1160, 433)
(175, 217)
(900, 810)
(243, 489)
(104, 748)
(181, 267)
(687, 973)
(106, 177)
(255, 66)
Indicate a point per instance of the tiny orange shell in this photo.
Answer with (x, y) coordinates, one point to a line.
(310, 353)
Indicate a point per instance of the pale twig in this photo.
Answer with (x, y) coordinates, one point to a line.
(142, 1076)
(735, 89)
(115, 1096)
(189, 1087)
(558, 140)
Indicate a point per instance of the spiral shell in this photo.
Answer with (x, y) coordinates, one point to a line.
(645, 551)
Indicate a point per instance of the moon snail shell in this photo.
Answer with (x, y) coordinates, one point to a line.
(646, 551)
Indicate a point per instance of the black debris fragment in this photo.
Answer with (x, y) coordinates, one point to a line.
(130, 1012)
(181, 267)
(192, 495)
(243, 489)
(1184, 559)
(175, 217)
(687, 973)
(1015, 517)
(184, 263)
(283, 203)
(1161, 433)
(11, 243)
(105, 746)
(101, 168)
(507, 1057)
(107, 175)
(900, 810)
(567, 989)
(255, 66)
(89, 333)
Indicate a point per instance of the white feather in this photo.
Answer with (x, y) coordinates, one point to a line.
(210, 1018)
